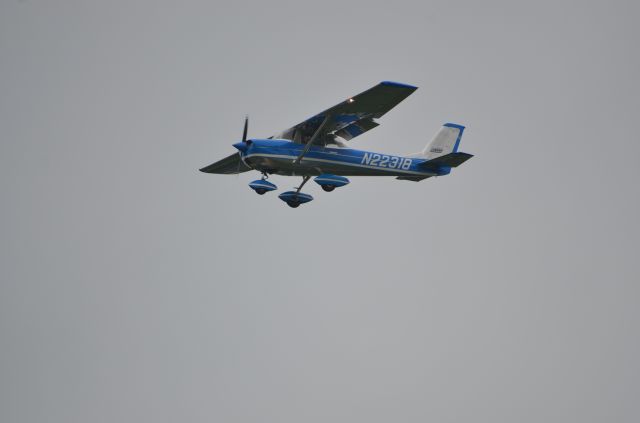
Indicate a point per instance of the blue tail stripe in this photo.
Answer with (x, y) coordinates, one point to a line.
(461, 128)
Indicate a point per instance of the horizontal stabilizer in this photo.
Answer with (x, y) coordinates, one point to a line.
(412, 178)
(227, 166)
(450, 160)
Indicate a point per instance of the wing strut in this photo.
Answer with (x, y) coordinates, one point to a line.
(312, 139)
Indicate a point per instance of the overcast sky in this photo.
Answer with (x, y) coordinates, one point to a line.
(134, 288)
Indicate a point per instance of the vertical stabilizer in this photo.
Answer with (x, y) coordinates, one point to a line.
(446, 141)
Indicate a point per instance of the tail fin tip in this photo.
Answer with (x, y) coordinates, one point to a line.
(454, 125)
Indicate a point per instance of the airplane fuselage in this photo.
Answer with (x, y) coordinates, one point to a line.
(279, 156)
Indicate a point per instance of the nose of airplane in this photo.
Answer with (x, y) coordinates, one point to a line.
(241, 146)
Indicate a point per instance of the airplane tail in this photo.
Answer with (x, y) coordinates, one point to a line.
(446, 141)
(441, 153)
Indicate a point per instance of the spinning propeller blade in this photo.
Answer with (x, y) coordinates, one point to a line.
(246, 126)
(244, 140)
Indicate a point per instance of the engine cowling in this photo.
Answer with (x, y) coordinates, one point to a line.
(329, 182)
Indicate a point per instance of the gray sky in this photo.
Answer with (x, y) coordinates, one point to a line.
(134, 288)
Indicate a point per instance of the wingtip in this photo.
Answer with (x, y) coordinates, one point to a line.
(399, 84)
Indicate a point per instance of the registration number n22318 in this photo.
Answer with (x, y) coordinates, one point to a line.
(382, 160)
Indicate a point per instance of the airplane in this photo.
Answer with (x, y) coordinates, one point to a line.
(317, 147)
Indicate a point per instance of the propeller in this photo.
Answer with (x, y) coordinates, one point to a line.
(246, 126)
(244, 140)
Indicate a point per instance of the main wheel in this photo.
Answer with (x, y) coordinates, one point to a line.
(328, 188)
(260, 191)
(293, 203)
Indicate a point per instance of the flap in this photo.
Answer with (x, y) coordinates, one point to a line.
(357, 128)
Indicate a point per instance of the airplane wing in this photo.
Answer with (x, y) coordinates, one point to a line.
(350, 118)
(227, 166)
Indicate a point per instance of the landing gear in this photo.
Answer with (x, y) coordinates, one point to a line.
(262, 186)
(293, 203)
(295, 198)
(330, 182)
(304, 181)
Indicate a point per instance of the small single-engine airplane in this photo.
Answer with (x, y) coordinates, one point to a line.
(316, 147)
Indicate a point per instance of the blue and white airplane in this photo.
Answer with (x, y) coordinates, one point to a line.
(317, 147)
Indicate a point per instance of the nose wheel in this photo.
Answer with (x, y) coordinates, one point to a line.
(261, 186)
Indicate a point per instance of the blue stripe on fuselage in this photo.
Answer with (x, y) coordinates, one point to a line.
(335, 156)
